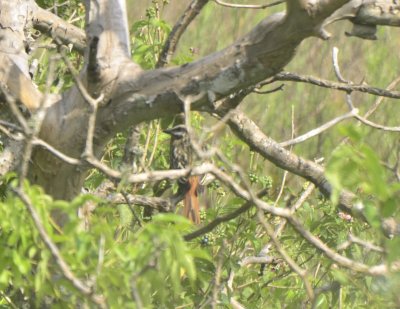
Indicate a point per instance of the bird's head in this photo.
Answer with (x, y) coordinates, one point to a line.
(178, 131)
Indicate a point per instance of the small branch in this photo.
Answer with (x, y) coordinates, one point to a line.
(303, 197)
(279, 88)
(55, 152)
(335, 52)
(217, 221)
(319, 130)
(12, 103)
(127, 201)
(287, 76)
(283, 183)
(248, 131)
(379, 100)
(132, 149)
(375, 125)
(352, 239)
(157, 203)
(377, 270)
(217, 277)
(179, 28)
(248, 6)
(8, 300)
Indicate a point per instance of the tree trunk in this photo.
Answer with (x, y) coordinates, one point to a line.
(130, 95)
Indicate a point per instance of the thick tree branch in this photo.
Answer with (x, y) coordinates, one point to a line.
(107, 21)
(132, 96)
(62, 31)
(251, 134)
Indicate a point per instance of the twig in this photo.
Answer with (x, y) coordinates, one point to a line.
(280, 87)
(136, 295)
(258, 260)
(146, 147)
(335, 52)
(93, 103)
(249, 6)
(320, 129)
(38, 142)
(288, 76)
(341, 260)
(130, 205)
(36, 124)
(380, 99)
(157, 203)
(217, 221)
(375, 125)
(179, 28)
(352, 239)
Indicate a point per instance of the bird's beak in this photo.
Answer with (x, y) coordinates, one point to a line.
(167, 131)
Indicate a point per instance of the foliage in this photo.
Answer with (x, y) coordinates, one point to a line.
(117, 254)
(131, 260)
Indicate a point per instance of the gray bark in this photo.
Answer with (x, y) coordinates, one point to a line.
(131, 95)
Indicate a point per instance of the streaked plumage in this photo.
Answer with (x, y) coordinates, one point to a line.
(180, 158)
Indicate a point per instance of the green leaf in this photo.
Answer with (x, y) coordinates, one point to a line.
(341, 276)
(389, 207)
(393, 249)
(372, 214)
(22, 264)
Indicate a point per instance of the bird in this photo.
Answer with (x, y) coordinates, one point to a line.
(180, 157)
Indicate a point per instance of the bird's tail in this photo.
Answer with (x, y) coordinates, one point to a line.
(191, 209)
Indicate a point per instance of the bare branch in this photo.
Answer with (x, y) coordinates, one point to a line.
(59, 29)
(217, 221)
(376, 270)
(248, 6)
(179, 28)
(352, 239)
(319, 130)
(287, 76)
(335, 52)
(375, 125)
(251, 134)
(157, 203)
(56, 152)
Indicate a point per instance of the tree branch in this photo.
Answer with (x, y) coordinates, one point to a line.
(62, 31)
(179, 28)
(288, 76)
